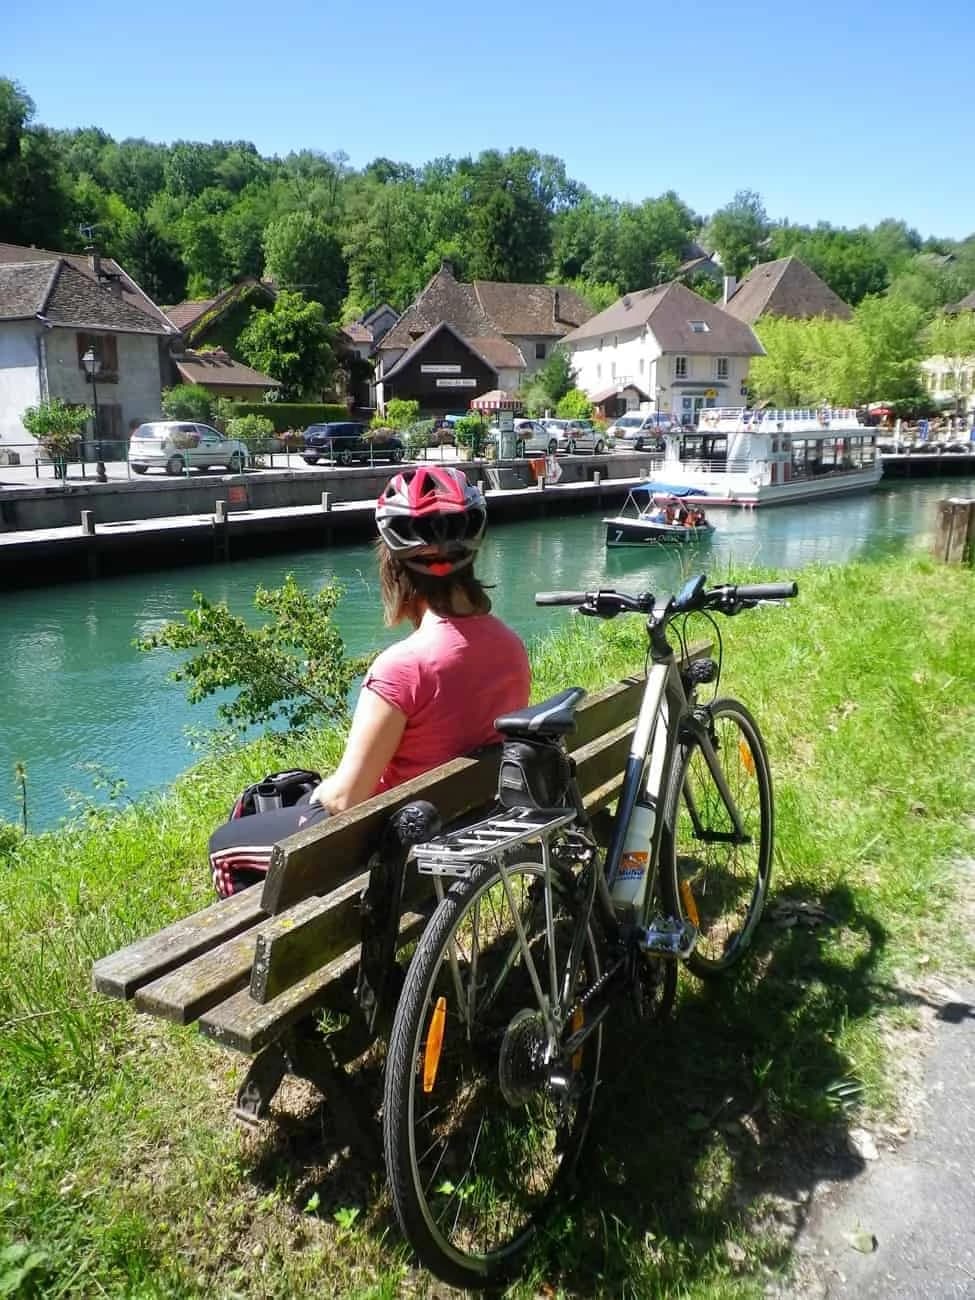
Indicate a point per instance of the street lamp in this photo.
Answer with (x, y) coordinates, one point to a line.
(92, 366)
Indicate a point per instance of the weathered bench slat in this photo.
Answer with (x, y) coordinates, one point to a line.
(183, 994)
(303, 864)
(121, 973)
(247, 1026)
(288, 952)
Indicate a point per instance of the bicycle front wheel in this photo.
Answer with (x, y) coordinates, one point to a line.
(717, 860)
(481, 1124)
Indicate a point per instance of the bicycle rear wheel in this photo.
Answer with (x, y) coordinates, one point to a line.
(480, 1135)
(713, 874)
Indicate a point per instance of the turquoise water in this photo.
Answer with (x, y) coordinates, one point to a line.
(77, 691)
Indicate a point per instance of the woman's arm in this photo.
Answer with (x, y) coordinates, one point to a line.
(377, 728)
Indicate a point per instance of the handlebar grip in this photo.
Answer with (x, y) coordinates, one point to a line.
(767, 591)
(560, 597)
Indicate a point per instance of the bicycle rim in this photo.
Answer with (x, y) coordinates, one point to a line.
(718, 884)
(477, 1146)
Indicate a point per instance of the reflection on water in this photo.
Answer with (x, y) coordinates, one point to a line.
(78, 691)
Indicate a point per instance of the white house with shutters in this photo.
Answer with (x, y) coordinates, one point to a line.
(666, 349)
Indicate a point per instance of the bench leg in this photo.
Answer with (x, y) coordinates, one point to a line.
(306, 1056)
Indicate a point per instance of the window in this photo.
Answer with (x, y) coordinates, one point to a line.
(612, 371)
(599, 372)
(721, 367)
(640, 365)
(601, 342)
(680, 367)
(539, 351)
(699, 326)
(105, 348)
(616, 340)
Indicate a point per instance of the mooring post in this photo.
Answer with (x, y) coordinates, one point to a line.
(954, 532)
(221, 531)
(326, 501)
(91, 549)
(88, 523)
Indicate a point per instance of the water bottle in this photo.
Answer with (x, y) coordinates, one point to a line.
(630, 884)
(267, 797)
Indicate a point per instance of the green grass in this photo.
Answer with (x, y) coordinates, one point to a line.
(120, 1168)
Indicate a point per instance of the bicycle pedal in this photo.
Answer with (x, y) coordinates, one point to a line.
(665, 937)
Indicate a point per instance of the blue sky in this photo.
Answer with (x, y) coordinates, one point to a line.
(844, 112)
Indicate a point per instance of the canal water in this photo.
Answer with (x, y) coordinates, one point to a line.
(77, 692)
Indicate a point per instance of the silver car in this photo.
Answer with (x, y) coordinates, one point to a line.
(178, 445)
(570, 436)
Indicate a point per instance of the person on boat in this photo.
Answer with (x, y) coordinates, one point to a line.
(669, 513)
(683, 515)
(426, 699)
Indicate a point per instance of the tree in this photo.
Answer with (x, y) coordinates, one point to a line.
(303, 254)
(58, 427)
(293, 667)
(848, 260)
(34, 205)
(738, 232)
(401, 412)
(152, 261)
(292, 343)
(557, 375)
(254, 431)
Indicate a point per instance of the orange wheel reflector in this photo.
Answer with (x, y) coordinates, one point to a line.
(690, 907)
(747, 757)
(576, 1023)
(431, 1053)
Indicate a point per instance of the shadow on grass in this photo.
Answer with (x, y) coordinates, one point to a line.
(710, 1129)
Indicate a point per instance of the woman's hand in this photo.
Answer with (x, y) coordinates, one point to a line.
(377, 729)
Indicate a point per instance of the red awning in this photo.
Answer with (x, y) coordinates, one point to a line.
(496, 400)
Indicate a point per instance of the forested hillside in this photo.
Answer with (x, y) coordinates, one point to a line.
(188, 218)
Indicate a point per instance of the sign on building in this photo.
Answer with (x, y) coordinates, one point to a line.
(439, 370)
(456, 383)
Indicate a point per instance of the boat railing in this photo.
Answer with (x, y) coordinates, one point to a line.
(779, 419)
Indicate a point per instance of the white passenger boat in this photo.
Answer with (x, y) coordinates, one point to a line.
(651, 512)
(742, 457)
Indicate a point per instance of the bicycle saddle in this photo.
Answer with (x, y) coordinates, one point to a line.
(553, 717)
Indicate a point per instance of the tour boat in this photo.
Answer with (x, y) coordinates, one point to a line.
(741, 457)
(642, 520)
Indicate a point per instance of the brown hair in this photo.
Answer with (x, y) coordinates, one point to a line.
(404, 591)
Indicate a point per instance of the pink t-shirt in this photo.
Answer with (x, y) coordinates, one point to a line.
(451, 677)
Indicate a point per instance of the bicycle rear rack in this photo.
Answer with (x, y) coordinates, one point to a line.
(458, 853)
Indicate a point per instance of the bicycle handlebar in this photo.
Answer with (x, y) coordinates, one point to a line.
(731, 599)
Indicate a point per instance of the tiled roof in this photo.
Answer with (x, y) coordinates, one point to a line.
(356, 332)
(488, 308)
(967, 303)
(218, 368)
(785, 287)
(605, 394)
(668, 311)
(24, 288)
(62, 295)
(531, 308)
(131, 293)
(499, 353)
(185, 313)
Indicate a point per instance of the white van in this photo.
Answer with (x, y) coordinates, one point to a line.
(176, 445)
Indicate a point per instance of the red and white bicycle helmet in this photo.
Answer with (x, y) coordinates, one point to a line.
(432, 519)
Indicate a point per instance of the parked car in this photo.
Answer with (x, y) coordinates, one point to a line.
(530, 436)
(641, 431)
(176, 445)
(570, 436)
(346, 442)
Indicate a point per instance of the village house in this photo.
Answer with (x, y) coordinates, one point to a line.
(785, 287)
(218, 372)
(459, 339)
(950, 381)
(218, 321)
(54, 307)
(666, 349)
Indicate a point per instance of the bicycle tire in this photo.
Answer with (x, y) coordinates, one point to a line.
(485, 1104)
(703, 882)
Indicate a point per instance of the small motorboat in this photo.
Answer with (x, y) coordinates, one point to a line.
(650, 514)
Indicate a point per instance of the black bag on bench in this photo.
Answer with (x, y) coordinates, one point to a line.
(263, 813)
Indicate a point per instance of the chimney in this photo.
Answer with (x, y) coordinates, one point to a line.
(447, 267)
(555, 305)
(730, 285)
(94, 261)
(115, 285)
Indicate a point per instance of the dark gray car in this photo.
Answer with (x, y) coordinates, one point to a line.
(346, 442)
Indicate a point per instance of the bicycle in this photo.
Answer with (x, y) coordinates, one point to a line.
(493, 1065)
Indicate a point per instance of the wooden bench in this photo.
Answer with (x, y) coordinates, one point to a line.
(253, 971)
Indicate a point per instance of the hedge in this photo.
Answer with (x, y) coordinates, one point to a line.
(293, 415)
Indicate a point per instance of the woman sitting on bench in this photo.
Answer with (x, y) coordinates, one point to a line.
(426, 699)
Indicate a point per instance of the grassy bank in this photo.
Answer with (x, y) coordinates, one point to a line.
(122, 1174)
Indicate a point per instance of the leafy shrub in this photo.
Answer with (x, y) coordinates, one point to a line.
(575, 405)
(401, 413)
(254, 431)
(57, 425)
(469, 432)
(291, 415)
(188, 402)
